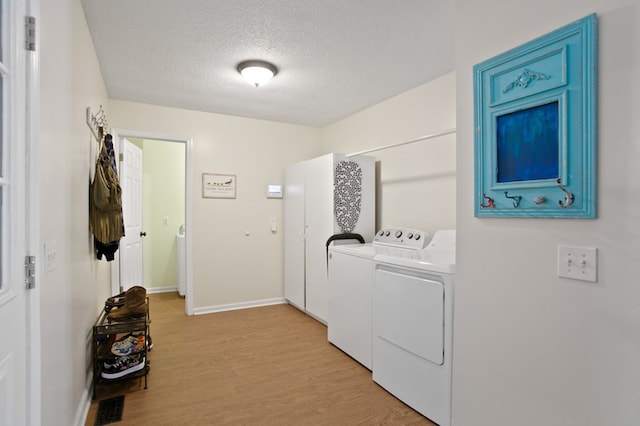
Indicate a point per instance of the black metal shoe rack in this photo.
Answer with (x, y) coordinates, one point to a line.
(105, 333)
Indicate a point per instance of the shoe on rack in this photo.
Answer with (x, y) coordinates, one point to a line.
(114, 301)
(135, 304)
(123, 366)
(127, 337)
(108, 363)
(123, 341)
(129, 345)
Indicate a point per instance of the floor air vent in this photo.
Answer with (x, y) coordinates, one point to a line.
(110, 410)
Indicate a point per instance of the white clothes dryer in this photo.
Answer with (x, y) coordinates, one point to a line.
(413, 319)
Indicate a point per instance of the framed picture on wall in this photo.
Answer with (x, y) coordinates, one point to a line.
(218, 185)
(535, 127)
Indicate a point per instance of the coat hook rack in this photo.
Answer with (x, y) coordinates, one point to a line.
(516, 198)
(491, 204)
(569, 198)
(97, 123)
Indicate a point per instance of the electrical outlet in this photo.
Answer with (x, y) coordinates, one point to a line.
(578, 263)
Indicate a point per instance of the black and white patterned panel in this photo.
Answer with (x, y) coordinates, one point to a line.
(347, 194)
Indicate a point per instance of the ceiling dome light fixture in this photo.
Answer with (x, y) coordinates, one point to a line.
(257, 72)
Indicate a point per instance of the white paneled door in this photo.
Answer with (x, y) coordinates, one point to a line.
(131, 243)
(14, 196)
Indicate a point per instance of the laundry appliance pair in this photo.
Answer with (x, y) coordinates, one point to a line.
(391, 309)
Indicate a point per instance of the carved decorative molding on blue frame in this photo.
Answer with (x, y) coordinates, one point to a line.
(535, 127)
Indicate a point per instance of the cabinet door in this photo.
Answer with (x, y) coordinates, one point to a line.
(319, 221)
(294, 245)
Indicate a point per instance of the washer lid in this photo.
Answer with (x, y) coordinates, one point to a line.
(366, 250)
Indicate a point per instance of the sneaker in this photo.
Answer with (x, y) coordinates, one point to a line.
(123, 366)
(109, 363)
(128, 346)
(125, 341)
(127, 338)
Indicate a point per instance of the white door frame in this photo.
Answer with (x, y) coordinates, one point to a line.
(115, 265)
(34, 356)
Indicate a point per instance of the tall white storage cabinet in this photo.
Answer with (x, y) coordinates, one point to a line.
(310, 221)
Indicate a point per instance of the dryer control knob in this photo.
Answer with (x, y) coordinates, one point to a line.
(398, 234)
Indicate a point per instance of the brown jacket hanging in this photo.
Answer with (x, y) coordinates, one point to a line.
(105, 200)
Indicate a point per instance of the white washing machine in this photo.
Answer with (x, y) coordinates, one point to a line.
(350, 292)
(181, 278)
(413, 319)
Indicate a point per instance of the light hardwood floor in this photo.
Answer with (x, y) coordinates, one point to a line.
(263, 366)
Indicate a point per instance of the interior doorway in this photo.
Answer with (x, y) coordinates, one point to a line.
(166, 212)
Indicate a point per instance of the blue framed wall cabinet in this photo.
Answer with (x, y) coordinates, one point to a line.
(535, 127)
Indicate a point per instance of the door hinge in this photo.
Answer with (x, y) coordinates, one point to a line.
(30, 33)
(121, 157)
(30, 271)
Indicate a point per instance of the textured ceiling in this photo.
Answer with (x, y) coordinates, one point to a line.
(334, 57)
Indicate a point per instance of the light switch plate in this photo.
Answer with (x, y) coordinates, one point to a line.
(578, 263)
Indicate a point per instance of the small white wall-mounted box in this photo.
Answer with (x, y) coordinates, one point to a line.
(50, 255)
(579, 263)
(274, 191)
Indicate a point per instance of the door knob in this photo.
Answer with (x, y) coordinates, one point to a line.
(143, 234)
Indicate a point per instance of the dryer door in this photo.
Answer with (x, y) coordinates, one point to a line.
(409, 312)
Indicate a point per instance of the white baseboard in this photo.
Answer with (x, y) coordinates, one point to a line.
(236, 306)
(82, 412)
(162, 289)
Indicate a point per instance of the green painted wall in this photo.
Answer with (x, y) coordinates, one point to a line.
(163, 210)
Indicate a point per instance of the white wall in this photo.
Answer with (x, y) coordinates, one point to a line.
(230, 268)
(416, 184)
(71, 294)
(531, 348)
